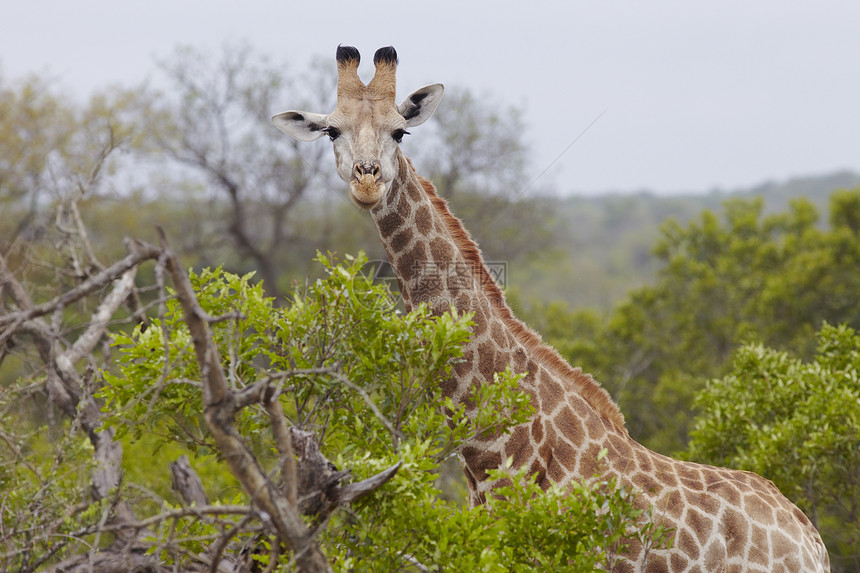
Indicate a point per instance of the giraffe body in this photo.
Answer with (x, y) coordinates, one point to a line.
(723, 520)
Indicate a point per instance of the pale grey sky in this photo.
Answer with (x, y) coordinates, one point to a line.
(696, 95)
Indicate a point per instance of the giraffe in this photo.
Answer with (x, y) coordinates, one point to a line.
(721, 519)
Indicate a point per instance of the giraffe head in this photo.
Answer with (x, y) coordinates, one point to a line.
(366, 125)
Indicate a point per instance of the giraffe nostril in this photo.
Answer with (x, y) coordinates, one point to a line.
(371, 168)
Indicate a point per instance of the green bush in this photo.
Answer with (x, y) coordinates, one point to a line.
(381, 404)
(798, 424)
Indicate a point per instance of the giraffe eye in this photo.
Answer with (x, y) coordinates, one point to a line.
(398, 134)
(332, 132)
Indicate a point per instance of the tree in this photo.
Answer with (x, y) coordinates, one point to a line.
(796, 422)
(213, 123)
(41, 479)
(58, 157)
(56, 151)
(33, 125)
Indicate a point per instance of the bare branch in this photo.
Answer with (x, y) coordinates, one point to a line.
(99, 320)
(186, 482)
(284, 443)
(351, 492)
(257, 392)
(220, 410)
(29, 311)
(219, 547)
(132, 559)
(194, 511)
(319, 480)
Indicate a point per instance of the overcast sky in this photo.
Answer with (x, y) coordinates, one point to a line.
(692, 96)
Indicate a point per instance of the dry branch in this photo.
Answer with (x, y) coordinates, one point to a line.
(70, 390)
(220, 411)
(141, 252)
(186, 482)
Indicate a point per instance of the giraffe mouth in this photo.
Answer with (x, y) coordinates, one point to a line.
(367, 191)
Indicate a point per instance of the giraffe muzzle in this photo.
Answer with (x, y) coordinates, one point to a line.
(365, 188)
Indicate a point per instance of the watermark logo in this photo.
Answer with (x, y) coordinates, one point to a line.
(498, 272)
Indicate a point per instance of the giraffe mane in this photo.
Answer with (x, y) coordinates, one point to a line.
(585, 384)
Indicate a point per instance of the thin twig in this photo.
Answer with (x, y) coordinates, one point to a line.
(255, 393)
(370, 404)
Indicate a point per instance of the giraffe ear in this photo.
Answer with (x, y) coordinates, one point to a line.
(302, 125)
(421, 104)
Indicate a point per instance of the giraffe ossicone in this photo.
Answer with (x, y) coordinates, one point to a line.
(723, 520)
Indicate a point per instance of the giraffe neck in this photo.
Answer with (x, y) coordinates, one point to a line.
(437, 263)
(426, 251)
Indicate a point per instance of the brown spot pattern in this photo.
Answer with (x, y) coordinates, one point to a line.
(673, 505)
(705, 502)
(414, 192)
(423, 221)
(519, 360)
(756, 506)
(758, 552)
(519, 446)
(537, 430)
(403, 206)
(700, 524)
(501, 362)
(565, 455)
(569, 426)
(449, 386)
(688, 544)
(442, 253)
(588, 462)
(679, 562)
(463, 368)
(479, 461)
(389, 224)
(410, 264)
(556, 471)
(480, 320)
(551, 394)
(714, 557)
(645, 482)
(401, 240)
(780, 544)
(486, 360)
(736, 531)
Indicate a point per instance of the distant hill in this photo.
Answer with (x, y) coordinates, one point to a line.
(815, 188)
(602, 244)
